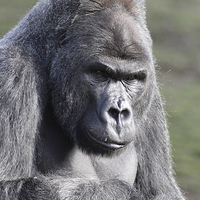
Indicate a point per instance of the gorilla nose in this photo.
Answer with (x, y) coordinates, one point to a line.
(117, 111)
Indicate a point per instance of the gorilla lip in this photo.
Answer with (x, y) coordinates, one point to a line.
(111, 145)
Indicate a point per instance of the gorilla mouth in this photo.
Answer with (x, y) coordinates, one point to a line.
(107, 144)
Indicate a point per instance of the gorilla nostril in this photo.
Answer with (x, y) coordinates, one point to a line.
(116, 113)
(113, 112)
(125, 113)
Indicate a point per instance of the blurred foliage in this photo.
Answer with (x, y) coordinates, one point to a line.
(183, 108)
(11, 11)
(175, 29)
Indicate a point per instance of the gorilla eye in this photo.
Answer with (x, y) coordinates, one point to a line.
(100, 73)
(140, 76)
(131, 78)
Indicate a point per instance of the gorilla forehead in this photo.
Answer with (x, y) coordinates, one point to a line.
(111, 31)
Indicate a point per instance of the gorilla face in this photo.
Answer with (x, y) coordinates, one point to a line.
(101, 80)
(109, 122)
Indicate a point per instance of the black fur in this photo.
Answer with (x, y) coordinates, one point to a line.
(52, 71)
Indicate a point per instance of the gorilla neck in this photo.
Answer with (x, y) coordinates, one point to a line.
(122, 166)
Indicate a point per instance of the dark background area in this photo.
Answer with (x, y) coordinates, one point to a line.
(175, 29)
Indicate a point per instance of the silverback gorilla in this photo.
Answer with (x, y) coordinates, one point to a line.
(80, 111)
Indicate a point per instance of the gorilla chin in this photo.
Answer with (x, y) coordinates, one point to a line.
(107, 144)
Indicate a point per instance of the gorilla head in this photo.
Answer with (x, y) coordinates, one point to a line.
(103, 71)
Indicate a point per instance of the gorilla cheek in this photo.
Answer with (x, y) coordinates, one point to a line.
(69, 109)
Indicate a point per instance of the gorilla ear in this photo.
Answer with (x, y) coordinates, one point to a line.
(62, 40)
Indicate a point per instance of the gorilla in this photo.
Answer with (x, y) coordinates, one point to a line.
(80, 111)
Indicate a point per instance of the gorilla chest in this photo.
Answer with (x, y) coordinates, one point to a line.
(122, 166)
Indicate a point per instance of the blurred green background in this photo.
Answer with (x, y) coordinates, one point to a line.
(175, 29)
